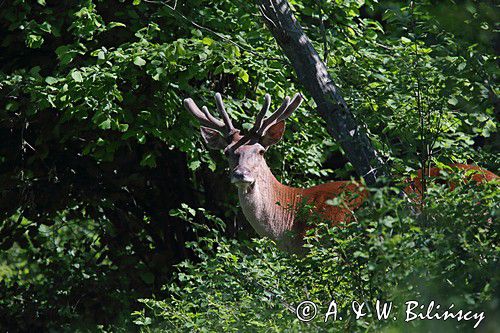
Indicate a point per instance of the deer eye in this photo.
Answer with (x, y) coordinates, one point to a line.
(262, 151)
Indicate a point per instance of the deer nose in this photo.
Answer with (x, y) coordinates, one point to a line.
(241, 176)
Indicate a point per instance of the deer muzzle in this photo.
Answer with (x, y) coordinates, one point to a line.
(242, 177)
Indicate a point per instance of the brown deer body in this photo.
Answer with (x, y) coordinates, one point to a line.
(479, 175)
(269, 206)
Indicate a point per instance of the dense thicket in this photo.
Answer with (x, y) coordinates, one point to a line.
(97, 155)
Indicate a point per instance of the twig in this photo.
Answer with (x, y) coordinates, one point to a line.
(323, 32)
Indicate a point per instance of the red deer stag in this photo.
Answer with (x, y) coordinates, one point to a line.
(269, 206)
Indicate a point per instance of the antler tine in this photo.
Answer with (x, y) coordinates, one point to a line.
(204, 117)
(210, 117)
(260, 116)
(273, 118)
(263, 111)
(222, 111)
(294, 104)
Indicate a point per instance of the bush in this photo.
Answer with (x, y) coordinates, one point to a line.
(448, 253)
(55, 275)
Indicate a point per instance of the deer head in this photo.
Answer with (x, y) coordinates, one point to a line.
(245, 153)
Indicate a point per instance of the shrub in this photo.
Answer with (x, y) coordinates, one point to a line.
(448, 253)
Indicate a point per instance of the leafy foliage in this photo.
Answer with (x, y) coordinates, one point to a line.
(448, 255)
(54, 273)
(96, 149)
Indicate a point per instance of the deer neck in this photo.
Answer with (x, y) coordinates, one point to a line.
(269, 206)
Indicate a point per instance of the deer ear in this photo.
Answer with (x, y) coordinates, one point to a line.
(273, 134)
(212, 138)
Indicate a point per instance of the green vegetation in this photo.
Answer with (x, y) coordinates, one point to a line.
(112, 212)
(449, 255)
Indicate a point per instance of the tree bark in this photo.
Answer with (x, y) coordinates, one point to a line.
(312, 73)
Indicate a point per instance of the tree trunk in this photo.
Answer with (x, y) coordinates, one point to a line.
(312, 73)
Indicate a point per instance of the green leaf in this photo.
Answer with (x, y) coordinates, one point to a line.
(141, 138)
(77, 76)
(139, 61)
(112, 25)
(141, 322)
(123, 127)
(243, 75)
(207, 41)
(51, 80)
(34, 41)
(453, 101)
(106, 124)
(194, 165)
(371, 34)
(406, 40)
(149, 159)
(66, 54)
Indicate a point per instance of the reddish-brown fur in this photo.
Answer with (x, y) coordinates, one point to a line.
(479, 175)
(355, 195)
(318, 196)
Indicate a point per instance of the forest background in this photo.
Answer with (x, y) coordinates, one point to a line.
(115, 217)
